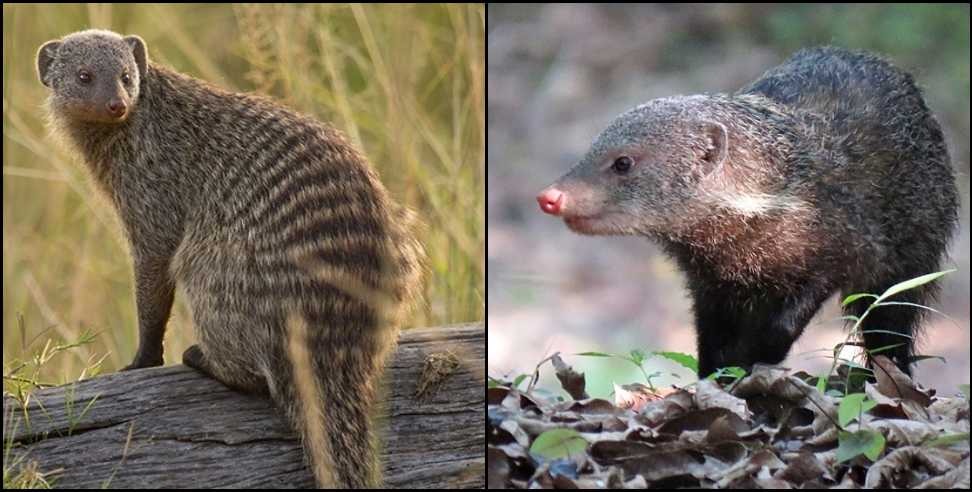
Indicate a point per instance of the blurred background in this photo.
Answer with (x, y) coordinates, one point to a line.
(558, 74)
(406, 83)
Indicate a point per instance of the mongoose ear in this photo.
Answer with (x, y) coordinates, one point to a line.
(45, 56)
(716, 146)
(138, 49)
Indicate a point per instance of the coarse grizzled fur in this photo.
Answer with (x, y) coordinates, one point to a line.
(297, 266)
(828, 173)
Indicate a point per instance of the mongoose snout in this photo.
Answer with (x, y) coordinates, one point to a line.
(552, 201)
(117, 108)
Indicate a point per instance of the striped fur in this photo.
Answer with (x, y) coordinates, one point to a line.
(296, 264)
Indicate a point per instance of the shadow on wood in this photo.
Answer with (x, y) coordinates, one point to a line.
(172, 427)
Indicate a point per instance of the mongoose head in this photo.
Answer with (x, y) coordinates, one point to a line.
(94, 75)
(642, 174)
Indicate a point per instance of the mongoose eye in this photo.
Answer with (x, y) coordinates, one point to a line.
(622, 165)
(126, 79)
(84, 77)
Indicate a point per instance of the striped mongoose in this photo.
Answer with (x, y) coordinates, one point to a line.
(295, 263)
(828, 173)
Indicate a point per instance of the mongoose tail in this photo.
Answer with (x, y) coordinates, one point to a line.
(329, 395)
(326, 423)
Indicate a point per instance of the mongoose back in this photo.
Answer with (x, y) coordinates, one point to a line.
(296, 265)
(828, 173)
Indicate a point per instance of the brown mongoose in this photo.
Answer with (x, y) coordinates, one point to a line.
(295, 263)
(828, 173)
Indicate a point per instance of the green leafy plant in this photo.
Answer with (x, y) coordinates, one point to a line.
(734, 372)
(852, 406)
(879, 301)
(852, 444)
(558, 443)
(635, 357)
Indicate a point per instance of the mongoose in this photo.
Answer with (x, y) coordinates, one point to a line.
(828, 173)
(295, 263)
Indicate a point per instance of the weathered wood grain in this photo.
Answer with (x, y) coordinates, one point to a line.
(173, 427)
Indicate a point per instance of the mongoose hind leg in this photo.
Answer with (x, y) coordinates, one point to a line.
(889, 330)
(194, 358)
(245, 382)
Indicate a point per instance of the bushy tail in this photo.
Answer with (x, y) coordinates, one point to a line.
(329, 388)
(330, 407)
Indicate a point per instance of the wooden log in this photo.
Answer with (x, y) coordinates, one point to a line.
(173, 427)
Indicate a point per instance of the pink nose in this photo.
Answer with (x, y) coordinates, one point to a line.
(116, 108)
(552, 201)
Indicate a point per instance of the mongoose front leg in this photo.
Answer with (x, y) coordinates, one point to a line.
(752, 327)
(717, 334)
(780, 322)
(154, 290)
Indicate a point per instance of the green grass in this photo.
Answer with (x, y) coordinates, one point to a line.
(405, 83)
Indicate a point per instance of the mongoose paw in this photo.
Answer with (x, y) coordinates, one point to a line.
(194, 358)
(140, 363)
